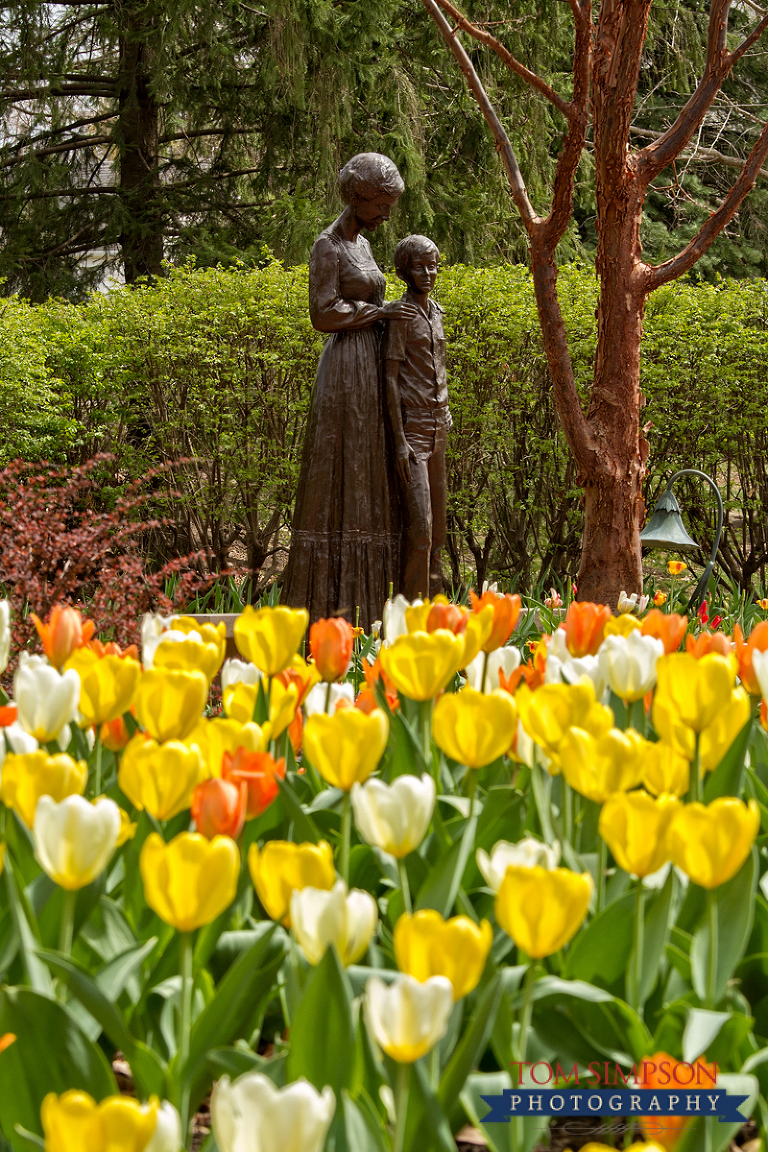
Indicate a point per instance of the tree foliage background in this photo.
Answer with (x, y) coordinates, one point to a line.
(137, 130)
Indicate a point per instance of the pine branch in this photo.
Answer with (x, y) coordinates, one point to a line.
(711, 229)
(66, 146)
(14, 95)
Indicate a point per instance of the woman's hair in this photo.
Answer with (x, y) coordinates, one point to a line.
(410, 247)
(368, 174)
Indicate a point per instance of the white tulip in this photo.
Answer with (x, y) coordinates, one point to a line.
(13, 738)
(524, 748)
(394, 817)
(167, 1134)
(5, 634)
(46, 699)
(251, 1115)
(346, 919)
(527, 853)
(319, 699)
(760, 665)
(629, 603)
(235, 671)
(628, 664)
(393, 617)
(406, 1018)
(74, 840)
(502, 659)
(562, 668)
(154, 628)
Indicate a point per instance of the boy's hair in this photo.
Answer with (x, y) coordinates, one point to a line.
(409, 248)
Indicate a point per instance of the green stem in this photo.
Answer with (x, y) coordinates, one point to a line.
(346, 832)
(526, 1011)
(327, 697)
(97, 774)
(713, 934)
(635, 973)
(425, 733)
(402, 1085)
(696, 774)
(602, 864)
(67, 926)
(568, 809)
(540, 785)
(636, 716)
(485, 671)
(185, 1015)
(404, 888)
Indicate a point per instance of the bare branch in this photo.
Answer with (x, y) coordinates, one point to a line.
(514, 65)
(699, 151)
(709, 231)
(65, 146)
(58, 90)
(753, 37)
(503, 146)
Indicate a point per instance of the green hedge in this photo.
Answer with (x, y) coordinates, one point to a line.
(215, 367)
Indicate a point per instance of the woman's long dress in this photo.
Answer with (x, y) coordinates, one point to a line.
(345, 536)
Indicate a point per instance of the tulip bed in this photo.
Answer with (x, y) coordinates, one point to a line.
(392, 877)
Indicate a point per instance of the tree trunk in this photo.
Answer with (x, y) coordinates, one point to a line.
(141, 237)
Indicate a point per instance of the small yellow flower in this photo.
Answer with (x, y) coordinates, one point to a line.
(597, 767)
(191, 880)
(541, 909)
(107, 685)
(634, 826)
(270, 637)
(170, 704)
(280, 868)
(763, 604)
(711, 842)
(474, 728)
(160, 777)
(427, 945)
(28, 776)
(675, 567)
(347, 746)
(659, 599)
(422, 664)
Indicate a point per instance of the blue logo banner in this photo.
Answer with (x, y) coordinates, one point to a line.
(609, 1102)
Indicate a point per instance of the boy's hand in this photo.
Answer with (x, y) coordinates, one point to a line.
(403, 462)
(398, 310)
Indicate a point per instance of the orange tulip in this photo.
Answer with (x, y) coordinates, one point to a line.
(296, 732)
(706, 643)
(63, 632)
(219, 807)
(366, 701)
(532, 672)
(259, 772)
(585, 627)
(660, 1071)
(373, 673)
(303, 675)
(112, 649)
(506, 610)
(756, 642)
(330, 645)
(660, 598)
(675, 567)
(8, 714)
(667, 627)
(446, 615)
(115, 735)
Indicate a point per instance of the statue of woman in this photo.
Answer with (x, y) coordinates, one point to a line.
(345, 536)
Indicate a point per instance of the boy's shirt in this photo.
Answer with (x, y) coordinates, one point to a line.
(419, 345)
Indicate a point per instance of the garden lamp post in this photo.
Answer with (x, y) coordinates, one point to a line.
(665, 529)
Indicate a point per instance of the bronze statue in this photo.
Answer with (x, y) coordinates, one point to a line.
(345, 538)
(417, 400)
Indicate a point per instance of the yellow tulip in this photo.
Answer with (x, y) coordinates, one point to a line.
(422, 664)
(160, 777)
(346, 747)
(474, 728)
(621, 625)
(665, 770)
(280, 868)
(634, 826)
(240, 701)
(718, 736)
(269, 637)
(597, 767)
(416, 615)
(549, 712)
(28, 776)
(477, 634)
(711, 842)
(205, 654)
(107, 685)
(427, 945)
(541, 909)
(191, 880)
(671, 728)
(74, 1122)
(127, 827)
(221, 734)
(169, 704)
(696, 690)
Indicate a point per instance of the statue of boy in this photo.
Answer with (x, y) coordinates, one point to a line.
(417, 403)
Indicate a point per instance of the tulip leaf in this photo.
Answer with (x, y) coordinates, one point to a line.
(441, 886)
(694, 1139)
(50, 1054)
(499, 820)
(426, 1123)
(239, 998)
(471, 1046)
(304, 827)
(518, 1136)
(735, 903)
(37, 973)
(323, 1028)
(234, 1062)
(355, 1130)
(600, 953)
(701, 1028)
(726, 779)
(656, 934)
